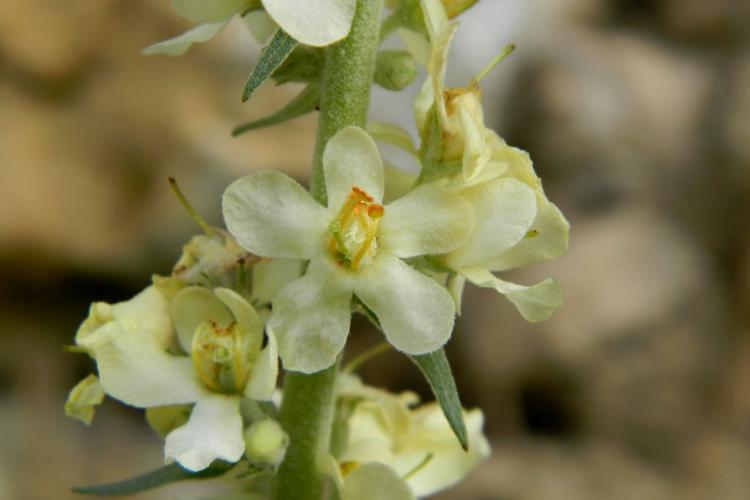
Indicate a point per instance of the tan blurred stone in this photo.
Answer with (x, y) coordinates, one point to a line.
(618, 105)
(85, 172)
(706, 21)
(561, 14)
(49, 38)
(717, 468)
(624, 271)
(645, 325)
(737, 118)
(543, 470)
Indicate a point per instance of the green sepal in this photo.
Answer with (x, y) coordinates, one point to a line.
(305, 102)
(437, 371)
(278, 49)
(304, 65)
(158, 477)
(434, 167)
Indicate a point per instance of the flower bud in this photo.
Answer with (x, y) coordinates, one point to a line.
(266, 442)
(395, 69)
(215, 257)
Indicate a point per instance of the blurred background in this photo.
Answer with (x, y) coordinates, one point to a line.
(637, 114)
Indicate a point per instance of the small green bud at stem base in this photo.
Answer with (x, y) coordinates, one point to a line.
(395, 69)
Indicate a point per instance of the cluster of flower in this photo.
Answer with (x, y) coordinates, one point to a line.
(199, 349)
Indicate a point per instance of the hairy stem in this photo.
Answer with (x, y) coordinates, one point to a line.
(347, 78)
(307, 409)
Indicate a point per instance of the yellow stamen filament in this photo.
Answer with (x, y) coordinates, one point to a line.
(359, 214)
(218, 357)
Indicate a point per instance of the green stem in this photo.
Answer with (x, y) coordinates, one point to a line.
(306, 416)
(307, 409)
(347, 78)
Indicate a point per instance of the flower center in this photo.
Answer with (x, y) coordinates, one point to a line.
(220, 357)
(354, 231)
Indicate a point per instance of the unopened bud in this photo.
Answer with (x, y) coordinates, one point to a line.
(395, 69)
(266, 442)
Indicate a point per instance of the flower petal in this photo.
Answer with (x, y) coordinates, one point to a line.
(260, 25)
(394, 135)
(84, 398)
(436, 67)
(313, 22)
(398, 182)
(193, 306)
(135, 369)
(180, 44)
(165, 419)
(272, 216)
(428, 220)
(265, 372)
(449, 463)
(375, 481)
(350, 159)
(147, 311)
(311, 318)
(416, 313)
(504, 210)
(455, 286)
(247, 318)
(269, 276)
(210, 11)
(370, 434)
(548, 239)
(535, 303)
(214, 431)
(416, 44)
(477, 152)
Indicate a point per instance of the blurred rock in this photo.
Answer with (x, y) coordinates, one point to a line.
(561, 14)
(737, 118)
(91, 129)
(619, 108)
(698, 21)
(52, 40)
(643, 329)
(540, 470)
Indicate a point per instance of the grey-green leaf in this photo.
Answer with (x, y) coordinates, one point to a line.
(437, 371)
(305, 102)
(159, 477)
(278, 49)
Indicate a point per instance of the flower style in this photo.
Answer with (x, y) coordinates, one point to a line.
(312, 22)
(203, 348)
(354, 246)
(415, 443)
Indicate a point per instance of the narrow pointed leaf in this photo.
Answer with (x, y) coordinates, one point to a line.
(273, 55)
(159, 477)
(306, 101)
(437, 371)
